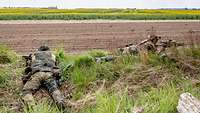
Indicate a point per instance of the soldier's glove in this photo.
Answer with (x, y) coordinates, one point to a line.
(56, 72)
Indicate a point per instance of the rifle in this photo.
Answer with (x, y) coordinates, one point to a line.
(27, 72)
(170, 43)
(167, 44)
(28, 59)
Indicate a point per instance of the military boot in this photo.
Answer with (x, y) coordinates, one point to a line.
(59, 99)
(29, 101)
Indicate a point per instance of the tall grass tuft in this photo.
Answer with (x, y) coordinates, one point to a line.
(193, 52)
(43, 107)
(82, 77)
(84, 61)
(5, 77)
(98, 53)
(111, 103)
(163, 100)
(7, 55)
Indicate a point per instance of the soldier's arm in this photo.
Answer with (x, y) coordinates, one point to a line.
(27, 70)
(26, 74)
(28, 59)
(143, 42)
(55, 59)
(56, 69)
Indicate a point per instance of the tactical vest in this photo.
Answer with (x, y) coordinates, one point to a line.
(43, 61)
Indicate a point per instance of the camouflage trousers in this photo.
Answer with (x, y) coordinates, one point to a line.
(36, 81)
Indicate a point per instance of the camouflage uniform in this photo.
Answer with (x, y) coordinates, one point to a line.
(104, 59)
(129, 49)
(164, 45)
(41, 73)
(150, 45)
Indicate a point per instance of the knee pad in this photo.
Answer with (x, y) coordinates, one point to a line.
(58, 98)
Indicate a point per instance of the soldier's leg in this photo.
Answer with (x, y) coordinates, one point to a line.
(52, 88)
(29, 88)
(57, 96)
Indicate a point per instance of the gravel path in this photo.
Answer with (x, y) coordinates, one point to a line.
(87, 21)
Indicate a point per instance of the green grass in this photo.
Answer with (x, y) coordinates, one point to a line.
(163, 100)
(43, 107)
(84, 61)
(4, 109)
(98, 53)
(7, 59)
(111, 103)
(7, 55)
(134, 76)
(5, 77)
(192, 52)
(87, 14)
(84, 70)
(83, 76)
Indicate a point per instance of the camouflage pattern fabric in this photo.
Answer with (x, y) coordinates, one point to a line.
(36, 81)
(34, 84)
(149, 46)
(43, 61)
(145, 45)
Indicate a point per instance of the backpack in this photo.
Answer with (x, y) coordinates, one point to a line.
(43, 61)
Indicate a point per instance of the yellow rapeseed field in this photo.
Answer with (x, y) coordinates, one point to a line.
(80, 14)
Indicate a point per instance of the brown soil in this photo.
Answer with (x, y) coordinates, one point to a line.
(76, 37)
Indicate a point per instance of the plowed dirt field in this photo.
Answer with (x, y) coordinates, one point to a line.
(81, 36)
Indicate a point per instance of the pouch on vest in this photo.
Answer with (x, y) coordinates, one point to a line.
(43, 62)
